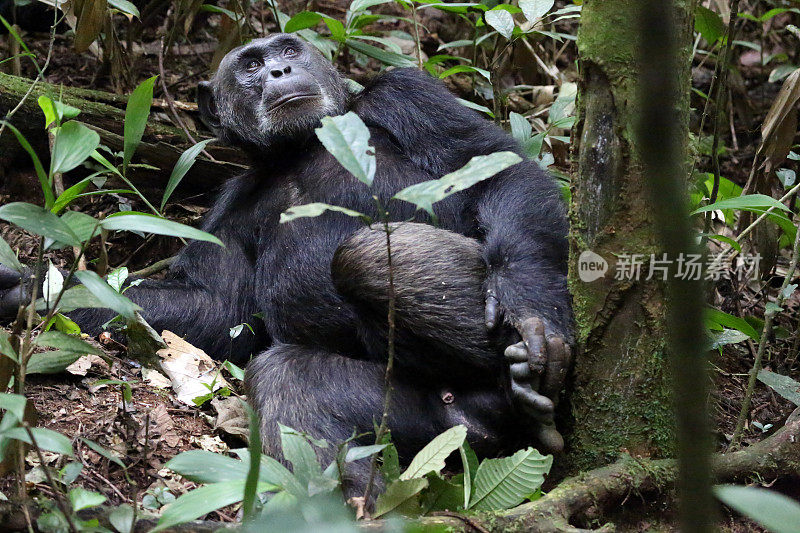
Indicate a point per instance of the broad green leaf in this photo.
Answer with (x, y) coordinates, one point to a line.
(104, 452)
(70, 472)
(479, 168)
(314, 210)
(136, 113)
(361, 5)
(521, 129)
(431, 457)
(454, 7)
(716, 319)
(776, 512)
(44, 181)
(360, 452)
(398, 494)
(39, 221)
(185, 162)
(46, 439)
(7, 256)
(125, 6)
(783, 385)
(5, 347)
(501, 20)
(160, 226)
(469, 462)
(727, 336)
(122, 518)
(384, 56)
(78, 297)
(72, 145)
(14, 404)
(103, 291)
(254, 447)
(346, 137)
(70, 194)
(68, 343)
(561, 111)
(748, 202)
(235, 370)
(51, 362)
(338, 32)
(476, 107)
(505, 482)
(202, 466)
(535, 9)
(55, 112)
(116, 278)
(274, 474)
(81, 498)
(91, 16)
(302, 20)
(708, 24)
(65, 325)
(201, 501)
(82, 225)
(465, 68)
(297, 450)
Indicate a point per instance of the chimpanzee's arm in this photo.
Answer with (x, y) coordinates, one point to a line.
(208, 290)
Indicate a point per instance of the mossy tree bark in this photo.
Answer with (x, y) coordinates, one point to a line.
(620, 398)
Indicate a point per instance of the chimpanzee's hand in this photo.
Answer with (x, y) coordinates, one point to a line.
(12, 292)
(538, 368)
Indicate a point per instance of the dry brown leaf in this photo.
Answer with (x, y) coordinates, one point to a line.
(155, 379)
(780, 124)
(161, 425)
(84, 363)
(190, 369)
(91, 17)
(209, 443)
(231, 416)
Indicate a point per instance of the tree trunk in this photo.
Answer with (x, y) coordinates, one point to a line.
(620, 398)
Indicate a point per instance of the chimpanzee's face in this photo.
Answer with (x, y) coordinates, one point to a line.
(275, 88)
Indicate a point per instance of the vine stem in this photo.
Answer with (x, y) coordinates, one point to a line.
(416, 33)
(769, 317)
(387, 376)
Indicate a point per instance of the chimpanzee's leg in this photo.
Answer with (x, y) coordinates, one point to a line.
(334, 397)
(440, 330)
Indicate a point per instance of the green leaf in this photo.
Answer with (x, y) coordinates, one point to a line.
(431, 457)
(469, 461)
(44, 181)
(727, 336)
(301, 21)
(384, 56)
(65, 325)
(116, 278)
(82, 225)
(50, 362)
(501, 20)
(476, 107)
(185, 162)
(68, 343)
(56, 111)
(46, 439)
(136, 113)
(7, 256)
(716, 319)
(103, 291)
(104, 452)
(126, 7)
(297, 450)
(398, 494)
(202, 466)
(81, 498)
(748, 202)
(314, 210)
(479, 168)
(362, 5)
(78, 297)
(201, 501)
(776, 512)
(535, 9)
(236, 371)
(465, 68)
(39, 221)
(505, 482)
(14, 404)
(70, 194)
(708, 24)
(72, 145)
(122, 518)
(783, 385)
(360, 452)
(346, 137)
(5, 347)
(160, 226)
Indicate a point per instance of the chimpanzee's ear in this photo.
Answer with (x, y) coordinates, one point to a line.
(207, 105)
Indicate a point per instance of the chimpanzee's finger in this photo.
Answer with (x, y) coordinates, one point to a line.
(550, 440)
(517, 353)
(558, 361)
(520, 372)
(530, 400)
(492, 310)
(8, 277)
(533, 336)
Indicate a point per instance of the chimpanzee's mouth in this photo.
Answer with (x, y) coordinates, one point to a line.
(283, 100)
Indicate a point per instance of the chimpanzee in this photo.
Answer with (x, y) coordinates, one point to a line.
(487, 280)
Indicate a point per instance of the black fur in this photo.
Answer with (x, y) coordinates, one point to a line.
(322, 341)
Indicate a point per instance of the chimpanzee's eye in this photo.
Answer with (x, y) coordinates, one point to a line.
(290, 52)
(253, 65)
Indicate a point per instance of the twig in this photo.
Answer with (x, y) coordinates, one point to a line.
(155, 268)
(416, 33)
(57, 495)
(769, 317)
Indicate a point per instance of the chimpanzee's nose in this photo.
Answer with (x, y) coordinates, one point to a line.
(277, 72)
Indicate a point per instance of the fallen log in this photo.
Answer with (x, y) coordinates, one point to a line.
(104, 112)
